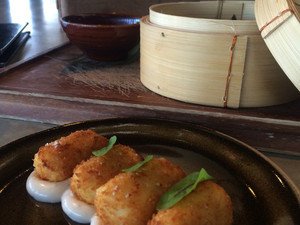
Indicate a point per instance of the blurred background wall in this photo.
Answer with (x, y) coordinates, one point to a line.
(137, 7)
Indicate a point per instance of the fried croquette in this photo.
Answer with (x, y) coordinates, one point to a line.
(207, 204)
(96, 171)
(130, 198)
(55, 161)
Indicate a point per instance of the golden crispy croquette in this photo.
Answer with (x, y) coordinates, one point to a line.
(97, 170)
(55, 161)
(130, 198)
(207, 204)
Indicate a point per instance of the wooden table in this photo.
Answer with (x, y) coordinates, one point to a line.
(63, 86)
(58, 85)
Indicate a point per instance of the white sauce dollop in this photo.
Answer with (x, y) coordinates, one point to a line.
(46, 191)
(95, 220)
(77, 210)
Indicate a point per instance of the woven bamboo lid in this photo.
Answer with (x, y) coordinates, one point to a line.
(189, 54)
(279, 24)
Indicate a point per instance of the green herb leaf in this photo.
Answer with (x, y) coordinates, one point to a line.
(138, 165)
(104, 150)
(181, 189)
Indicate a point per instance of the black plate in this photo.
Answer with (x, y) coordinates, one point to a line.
(260, 192)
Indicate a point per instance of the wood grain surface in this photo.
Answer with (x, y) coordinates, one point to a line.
(63, 86)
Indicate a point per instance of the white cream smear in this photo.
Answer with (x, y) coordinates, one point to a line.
(95, 220)
(46, 191)
(77, 210)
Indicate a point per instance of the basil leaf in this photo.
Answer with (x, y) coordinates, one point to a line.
(138, 165)
(181, 189)
(104, 150)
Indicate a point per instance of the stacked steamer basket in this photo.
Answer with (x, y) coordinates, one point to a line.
(279, 24)
(210, 53)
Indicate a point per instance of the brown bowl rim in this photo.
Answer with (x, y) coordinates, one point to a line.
(100, 25)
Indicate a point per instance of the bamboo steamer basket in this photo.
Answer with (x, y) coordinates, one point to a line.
(194, 52)
(279, 24)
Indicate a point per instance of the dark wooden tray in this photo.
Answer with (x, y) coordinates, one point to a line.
(63, 86)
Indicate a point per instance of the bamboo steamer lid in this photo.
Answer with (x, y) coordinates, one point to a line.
(212, 17)
(279, 24)
(199, 59)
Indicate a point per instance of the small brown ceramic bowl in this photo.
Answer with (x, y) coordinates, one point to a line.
(104, 37)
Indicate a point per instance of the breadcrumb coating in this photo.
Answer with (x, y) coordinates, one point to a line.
(130, 198)
(207, 204)
(97, 170)
(55, 161)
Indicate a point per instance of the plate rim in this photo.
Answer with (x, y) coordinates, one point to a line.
(190, 127)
